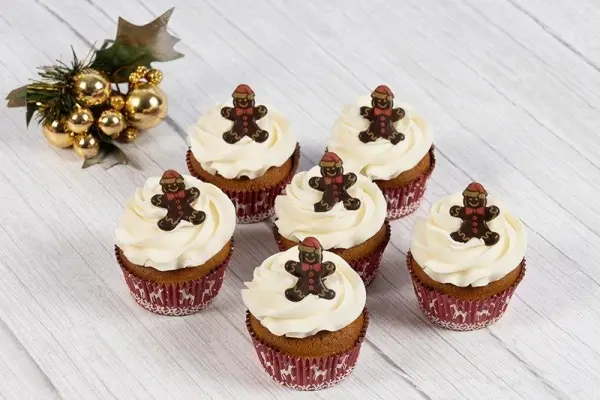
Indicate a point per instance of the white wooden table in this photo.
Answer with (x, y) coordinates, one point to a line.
(512, 90)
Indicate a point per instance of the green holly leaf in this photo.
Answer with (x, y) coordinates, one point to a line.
(17, 97)
(136, 45)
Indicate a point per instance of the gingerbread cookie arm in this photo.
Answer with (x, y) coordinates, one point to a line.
(159, 200)
(397, 114)
(227, 113)
(193, 194)
(457, 211)
(293, 267)
(260, 112)
(328, 268)
(349, 180)
(491, 212)
(366, 112)
(317, 183)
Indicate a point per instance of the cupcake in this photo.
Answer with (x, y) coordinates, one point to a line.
(466, 259)
(345, 212)
(248, 151)
(391, 146)
(306, 316)
(173, 243)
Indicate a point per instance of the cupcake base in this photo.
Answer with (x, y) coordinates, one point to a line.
(366, 265)
(451, 312)
(177, 298)
(306, 373)
(254, 203)
(406, 198)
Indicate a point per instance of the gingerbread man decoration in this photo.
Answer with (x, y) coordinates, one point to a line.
(311, 272)
(244, 116)
(475, 215)
(178, 202)
(382, 116)
(334, 184)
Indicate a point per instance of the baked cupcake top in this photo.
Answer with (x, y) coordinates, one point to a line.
(469, 238)
(340, 209)
(305, 290)
(378, 139)
(174, 222)
(241, 139)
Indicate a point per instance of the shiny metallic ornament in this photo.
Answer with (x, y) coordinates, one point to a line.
(141, 70)
(129, 134)
(146, 106)
(117, 102)
(80, 120)
(154, 77)
(86, 146)
(91, 87)
(57, 134)
(111, 122)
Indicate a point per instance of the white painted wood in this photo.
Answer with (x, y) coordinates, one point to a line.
(511, 89)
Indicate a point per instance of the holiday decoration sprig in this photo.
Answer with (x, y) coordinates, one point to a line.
(80, 105)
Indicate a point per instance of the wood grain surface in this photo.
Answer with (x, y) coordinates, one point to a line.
(512, 91)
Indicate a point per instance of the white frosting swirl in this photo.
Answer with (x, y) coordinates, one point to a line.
(265, 298)
(246, 157)
(337, 228)
(472, 263)
(144, 243)
(379, 159)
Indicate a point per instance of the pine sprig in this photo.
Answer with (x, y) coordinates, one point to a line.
(53, 94)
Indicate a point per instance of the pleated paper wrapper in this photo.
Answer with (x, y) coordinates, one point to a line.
(461, 315)
(404, 200)
(253, 206)
(175, 299)
(306, 373)
(366, 266)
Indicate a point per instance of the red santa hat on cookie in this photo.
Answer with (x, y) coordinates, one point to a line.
(475, 190)
(171, 176)
(243, 91)
(330, 159)
(310, 245)
(382, 92)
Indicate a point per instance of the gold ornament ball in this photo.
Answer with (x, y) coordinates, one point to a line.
(154, 76)
(134, 78)
(146, 106)
(91, 87)
(129, 134)
(111, 122)
(80, 120)
(56, 133)
(141, 70)
(117, 102)
(86, 146)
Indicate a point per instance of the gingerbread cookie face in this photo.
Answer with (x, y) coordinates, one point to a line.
(244, 115)
(311, 272)
(475, 215)
(177, 200)
(334, 184)
(382, 115)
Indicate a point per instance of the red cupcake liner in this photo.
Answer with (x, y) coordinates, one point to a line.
(452, 313)
(306, 373)
(175, 299)
(366, 266)
(253, 206)
(406, 199)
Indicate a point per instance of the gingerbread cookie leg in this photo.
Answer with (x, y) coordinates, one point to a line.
(260, 136)
(366, 136)
(459, 236)
(350, 203)
(396, 137)
(231, 137)
(169, 222)
(490, 238)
